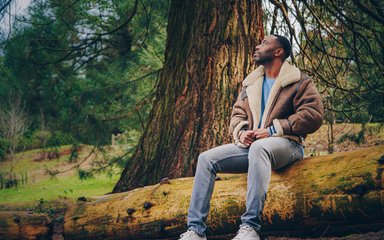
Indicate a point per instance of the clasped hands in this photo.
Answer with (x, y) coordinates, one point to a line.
(247, 137)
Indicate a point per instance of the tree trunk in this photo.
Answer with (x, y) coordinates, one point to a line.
(208, 54)
(24, 225)
(335, 194)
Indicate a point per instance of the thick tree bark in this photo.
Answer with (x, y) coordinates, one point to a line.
(24, 225)
(338, 193)
(208, 54)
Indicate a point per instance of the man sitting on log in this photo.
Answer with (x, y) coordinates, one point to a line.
(277, 107)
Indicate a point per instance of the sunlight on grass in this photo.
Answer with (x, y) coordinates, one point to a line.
(71, 187)
(35, 184)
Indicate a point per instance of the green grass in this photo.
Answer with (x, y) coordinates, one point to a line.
(24, 162)
(52, 189)
(40, 185)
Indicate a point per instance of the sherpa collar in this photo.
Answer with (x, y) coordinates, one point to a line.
(288, 75)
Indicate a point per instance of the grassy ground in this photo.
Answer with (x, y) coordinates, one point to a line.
(36, 186)
(71, 187)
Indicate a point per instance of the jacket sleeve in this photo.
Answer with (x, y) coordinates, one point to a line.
(309, 112)
(239, 118)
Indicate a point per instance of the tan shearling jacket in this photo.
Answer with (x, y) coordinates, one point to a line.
(294, 105)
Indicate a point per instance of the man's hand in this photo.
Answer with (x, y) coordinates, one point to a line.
(246, 137)
(260, 133)
(249, 136)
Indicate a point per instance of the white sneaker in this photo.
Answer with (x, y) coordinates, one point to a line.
(191, 235)
(246, 233)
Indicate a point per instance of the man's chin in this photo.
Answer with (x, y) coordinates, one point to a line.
(258, 62)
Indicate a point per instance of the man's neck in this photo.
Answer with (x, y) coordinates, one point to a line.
(272, 69)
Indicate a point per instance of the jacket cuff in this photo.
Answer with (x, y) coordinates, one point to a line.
(238, 127)
(278, 128)
(271, 130)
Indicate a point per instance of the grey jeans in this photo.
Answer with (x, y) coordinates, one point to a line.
(258, 161)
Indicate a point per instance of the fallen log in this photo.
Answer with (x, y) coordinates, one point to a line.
(316, 195)
(24, 225)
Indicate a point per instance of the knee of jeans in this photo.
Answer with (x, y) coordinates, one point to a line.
(204, 159)
(257, 148)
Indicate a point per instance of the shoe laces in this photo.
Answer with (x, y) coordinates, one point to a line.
(243, 232)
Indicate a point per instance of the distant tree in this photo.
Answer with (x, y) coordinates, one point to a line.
(86, 68)
(13, 123)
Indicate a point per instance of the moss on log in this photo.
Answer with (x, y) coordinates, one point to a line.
(23, 225)
(314, 194)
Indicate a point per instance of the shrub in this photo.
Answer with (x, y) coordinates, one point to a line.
(36, 139)
(358, 138)
(44, 139)
(4, 145)
(59, 138)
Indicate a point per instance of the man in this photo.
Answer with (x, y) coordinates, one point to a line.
(277, 107)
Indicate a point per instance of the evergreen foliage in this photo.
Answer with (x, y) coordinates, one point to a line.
(86, 69)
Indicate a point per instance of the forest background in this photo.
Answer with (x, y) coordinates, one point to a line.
(139, 88)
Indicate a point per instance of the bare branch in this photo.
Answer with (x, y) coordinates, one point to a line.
(13, 122)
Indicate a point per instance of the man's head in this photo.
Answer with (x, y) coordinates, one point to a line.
(284, 44)
(272, 47)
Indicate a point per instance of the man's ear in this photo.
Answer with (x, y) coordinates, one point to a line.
(279, 52)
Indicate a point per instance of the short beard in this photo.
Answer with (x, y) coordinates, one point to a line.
(259, 61)
(263, 60)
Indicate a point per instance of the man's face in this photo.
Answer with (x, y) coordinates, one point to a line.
(265, 52)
